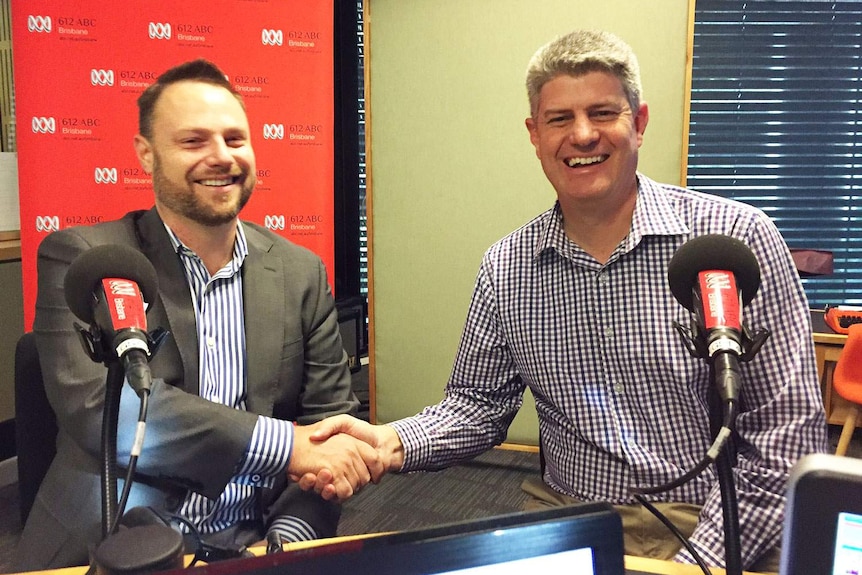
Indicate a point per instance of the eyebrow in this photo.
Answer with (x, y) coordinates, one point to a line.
(597, 105)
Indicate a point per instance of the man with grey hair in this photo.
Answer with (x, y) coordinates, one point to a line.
(575, 305)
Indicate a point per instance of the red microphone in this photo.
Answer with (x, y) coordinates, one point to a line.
(714, 276)
(106, 287)
(122, 317)
(722, 318)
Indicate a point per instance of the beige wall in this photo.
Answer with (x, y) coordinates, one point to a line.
(452, 169)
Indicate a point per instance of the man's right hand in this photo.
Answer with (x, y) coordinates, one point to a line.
(348, 463)
(382, 438)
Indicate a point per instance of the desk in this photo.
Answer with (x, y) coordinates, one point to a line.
(827, 348)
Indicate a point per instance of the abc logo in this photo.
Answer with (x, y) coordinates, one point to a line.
(272, 37)
(102, 77)
(123, 287)
(105, 175)
(159, 31)
(273, 131)
(43, 125)
(39, 24)
(47, 223)
(274, 222)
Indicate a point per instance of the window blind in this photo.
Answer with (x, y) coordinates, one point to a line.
(775, 122)
(363, 220)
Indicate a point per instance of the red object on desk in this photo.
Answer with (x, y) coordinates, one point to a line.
(840, 319)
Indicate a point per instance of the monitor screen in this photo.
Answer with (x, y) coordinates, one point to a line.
(823, 518)
(848, 545)
(585, 539)
(578, 561)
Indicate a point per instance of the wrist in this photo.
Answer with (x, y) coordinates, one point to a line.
(391, 449)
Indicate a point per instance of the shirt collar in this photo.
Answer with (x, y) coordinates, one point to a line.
(654, 215)
(240, 248)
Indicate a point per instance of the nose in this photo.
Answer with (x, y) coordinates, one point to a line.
(583, 131)
(220, 153)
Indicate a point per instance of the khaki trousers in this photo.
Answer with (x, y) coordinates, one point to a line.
(643, 534)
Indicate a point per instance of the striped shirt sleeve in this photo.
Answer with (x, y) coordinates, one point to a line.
(292, 529)
(268, 452)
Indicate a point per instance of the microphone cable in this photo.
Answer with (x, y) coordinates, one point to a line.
(134, 454)
(666, 522)
(711, 455)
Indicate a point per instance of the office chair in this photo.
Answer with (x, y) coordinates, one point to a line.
(35, 423)
(847, 382)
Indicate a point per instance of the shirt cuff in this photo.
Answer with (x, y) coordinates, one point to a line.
(292, 529)
(267, 454)
(416, 444)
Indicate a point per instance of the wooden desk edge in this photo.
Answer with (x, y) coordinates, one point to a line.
(661, 567)
(829, 338)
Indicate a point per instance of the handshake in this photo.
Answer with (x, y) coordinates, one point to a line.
(338, 456)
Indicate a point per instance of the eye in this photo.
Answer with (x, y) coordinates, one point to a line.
(605, 115)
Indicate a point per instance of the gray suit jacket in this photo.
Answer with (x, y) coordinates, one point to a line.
(297, 371)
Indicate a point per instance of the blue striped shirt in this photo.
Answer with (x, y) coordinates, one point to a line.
(219, 315)
(620, 401)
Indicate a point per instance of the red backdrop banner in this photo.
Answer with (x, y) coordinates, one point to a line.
(80, 65)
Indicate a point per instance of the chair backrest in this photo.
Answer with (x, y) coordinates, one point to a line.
(35, 423)
(847, 377)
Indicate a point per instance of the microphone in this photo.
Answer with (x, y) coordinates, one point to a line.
(106, 287)
(714, 276)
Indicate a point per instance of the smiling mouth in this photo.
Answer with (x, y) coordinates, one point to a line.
(220, 182)
(582, 162)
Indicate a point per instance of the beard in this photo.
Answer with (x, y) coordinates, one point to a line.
(182, 200)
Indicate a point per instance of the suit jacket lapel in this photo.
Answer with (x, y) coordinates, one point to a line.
(175, 295)
(263, 287)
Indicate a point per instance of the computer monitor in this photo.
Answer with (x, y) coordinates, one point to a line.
(586, 539)
(823, 519)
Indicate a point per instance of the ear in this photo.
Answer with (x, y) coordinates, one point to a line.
(532, 128)
(144, 151)
(641, 121)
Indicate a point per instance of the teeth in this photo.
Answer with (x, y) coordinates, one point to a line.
(572, 162)
(222, 182)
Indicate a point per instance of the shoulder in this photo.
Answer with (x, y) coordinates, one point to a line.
(120, 231)
(266, 241)
(695, 200)
(704, 213)
(527, 236)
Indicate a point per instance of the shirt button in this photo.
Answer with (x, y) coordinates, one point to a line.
(609, 332)
(603, 278)
(619, 388)
(256, 478)
(211, 342)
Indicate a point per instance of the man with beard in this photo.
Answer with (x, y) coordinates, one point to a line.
(253, 361)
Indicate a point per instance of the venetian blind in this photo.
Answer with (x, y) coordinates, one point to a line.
(775, 122)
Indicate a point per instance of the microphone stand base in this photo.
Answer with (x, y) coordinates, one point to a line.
(139, 551)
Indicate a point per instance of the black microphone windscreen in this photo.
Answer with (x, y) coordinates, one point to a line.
(712, 252)
(106, 261)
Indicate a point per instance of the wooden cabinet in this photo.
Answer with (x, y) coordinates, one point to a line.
(827, 347)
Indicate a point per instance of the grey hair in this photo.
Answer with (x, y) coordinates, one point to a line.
(580, 52)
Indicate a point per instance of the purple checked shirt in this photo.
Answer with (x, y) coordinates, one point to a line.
(621, 402)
